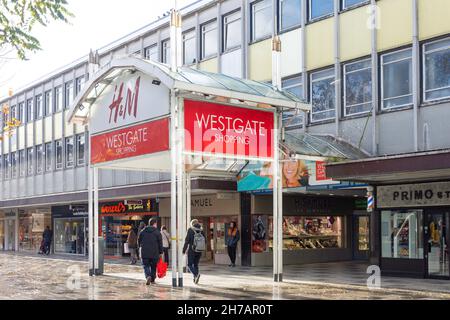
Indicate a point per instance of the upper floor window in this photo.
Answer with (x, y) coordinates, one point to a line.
(81, 149)
(437, 70)
(189, 51)
(322, 95)
(30, 158)
(22, 163)
(209, 39)
(6, 167)
(295, 86)
(165, 54)
(13, 112)
(350, 3)
(79, 84)
(58, 99)
(320, 8)
(48, 156)
(38, 107)
(68, 95)
(14, 164)
(39, 159)
(70, 159)
(48, 103)
(21, 112)
(59, 154)
(232, 33)
(262, 19)
(357, 87)
(151, 53)
(396, 79)
(30, 110)
(290, 13)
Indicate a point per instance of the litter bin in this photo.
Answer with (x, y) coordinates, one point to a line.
(101, 256)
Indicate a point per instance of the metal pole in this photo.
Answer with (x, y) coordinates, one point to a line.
(276, 164)
(180, 193)
(280, 201)
(415, 72)
(96, 224)
(188, 203)
(374, 59)
(91, 221)
(173, 188)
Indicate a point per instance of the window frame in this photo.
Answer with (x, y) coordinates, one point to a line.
(280, 18)
(344, 87)
(29, 114)
(59, 166)
(38, 108)
(147, 49)
(58, 102)
(48, 103)
(21, 106)
(67, 163)
(355, 5)
(14, 165)
(40, 159)
(253, 37)
(191, 31)
(30, 164)
(68, 101)
(311, 81)
(311, 19)
(424, 53)
(6, 164)
(224, 48)
(165, 47)
(202, 39)
(79, 83)
(22, 163)
(382, 64)
(79, 163)
(48, 157)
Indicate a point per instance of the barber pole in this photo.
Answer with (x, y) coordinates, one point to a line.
(370, 201)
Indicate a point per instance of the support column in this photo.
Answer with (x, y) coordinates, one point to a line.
(91, 220)
(187, 205)
(98, 258)
(173, 191)
(276, 189)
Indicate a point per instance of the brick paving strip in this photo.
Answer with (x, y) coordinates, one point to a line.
(36, 277)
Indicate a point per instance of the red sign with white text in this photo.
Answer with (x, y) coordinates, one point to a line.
(214, 128)
(146, 138)
(321, 174)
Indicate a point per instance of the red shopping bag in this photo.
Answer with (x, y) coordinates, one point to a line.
(161, 268)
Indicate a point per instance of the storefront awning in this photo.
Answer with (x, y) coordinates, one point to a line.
(412, 167)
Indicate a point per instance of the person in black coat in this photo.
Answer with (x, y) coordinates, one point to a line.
(47, 240)
(150, 243)
(193, 256)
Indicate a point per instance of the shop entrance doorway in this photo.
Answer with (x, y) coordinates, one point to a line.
(10, 231)
(361, 237)
(436, 244)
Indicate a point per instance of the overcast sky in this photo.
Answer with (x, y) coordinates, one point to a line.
(96, 24)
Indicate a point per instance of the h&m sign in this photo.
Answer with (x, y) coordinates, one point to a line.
(414, 195)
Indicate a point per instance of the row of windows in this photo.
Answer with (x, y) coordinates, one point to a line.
(46, 104)
(45, 158)
(396, 82)
(290, 16)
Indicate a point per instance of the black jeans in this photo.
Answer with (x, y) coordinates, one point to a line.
(232, 254)
(166, 255)
(193, 261)
(150, 267)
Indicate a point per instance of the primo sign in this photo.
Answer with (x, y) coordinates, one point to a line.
(414, 195)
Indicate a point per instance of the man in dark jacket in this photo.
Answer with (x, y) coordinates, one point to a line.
(150, 242)
(193, 256)
(47, 239)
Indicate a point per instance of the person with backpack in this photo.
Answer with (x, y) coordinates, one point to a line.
(150, 242)
(195, 245)
(231, 239)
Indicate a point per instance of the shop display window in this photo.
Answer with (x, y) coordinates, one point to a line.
(363, 233)
(315, 232)
(31, 227)
(70, 235)
(401, 234)
(221, 226)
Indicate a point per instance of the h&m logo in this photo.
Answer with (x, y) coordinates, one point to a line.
(120, 109)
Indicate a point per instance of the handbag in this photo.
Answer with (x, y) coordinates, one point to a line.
(126, 248)
(161, 268)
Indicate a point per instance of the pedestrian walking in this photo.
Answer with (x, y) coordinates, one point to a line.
(194, 245)
(231, 239)
(132, 244)
(140, 228)
(166, 243)
(47, 236)
(150, 242)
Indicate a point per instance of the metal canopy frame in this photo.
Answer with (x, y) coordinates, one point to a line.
(180, 89)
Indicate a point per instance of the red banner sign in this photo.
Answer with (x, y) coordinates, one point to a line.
(321, 174)
(146, 138)
(221, 129)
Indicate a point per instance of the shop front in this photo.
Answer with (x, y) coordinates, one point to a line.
(70, 229)
(8, 230)
(414, 228)
(214, 212)
(32, 223)
(117, 218)
(315, 229)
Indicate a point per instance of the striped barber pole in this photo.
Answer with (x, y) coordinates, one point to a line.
(370, 203)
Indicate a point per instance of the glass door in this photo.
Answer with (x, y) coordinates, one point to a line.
(11, 232)
(2, 235)
(361, 237)
(436, 241)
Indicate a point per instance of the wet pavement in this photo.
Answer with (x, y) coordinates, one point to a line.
(37, 277)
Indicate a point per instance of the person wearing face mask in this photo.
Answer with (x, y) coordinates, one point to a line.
(232, 239)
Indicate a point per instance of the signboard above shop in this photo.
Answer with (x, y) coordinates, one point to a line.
(414, 195)
(146, 206)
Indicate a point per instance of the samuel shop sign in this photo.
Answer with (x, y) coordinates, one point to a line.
(213, 128)
(414, 195)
